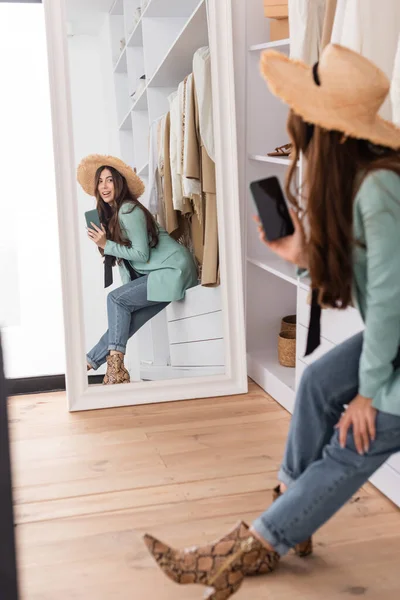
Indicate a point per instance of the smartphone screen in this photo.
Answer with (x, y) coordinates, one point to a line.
(272, 208)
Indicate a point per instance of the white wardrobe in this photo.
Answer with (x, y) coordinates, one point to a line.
(272, 289)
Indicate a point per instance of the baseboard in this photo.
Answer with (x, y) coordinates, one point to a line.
(24, 386)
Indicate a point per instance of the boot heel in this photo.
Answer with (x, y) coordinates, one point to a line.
(223, 590)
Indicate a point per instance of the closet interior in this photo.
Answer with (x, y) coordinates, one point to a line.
(272, 289)
(151, 46)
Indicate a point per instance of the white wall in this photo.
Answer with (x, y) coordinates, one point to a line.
(31, 319)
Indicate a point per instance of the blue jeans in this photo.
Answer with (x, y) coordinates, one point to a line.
(320, 475)
(128, 310)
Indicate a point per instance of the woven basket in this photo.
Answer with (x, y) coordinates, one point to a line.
(287, 349)
(289, 323)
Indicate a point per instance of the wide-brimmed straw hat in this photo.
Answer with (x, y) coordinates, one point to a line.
(86, 173)
(343, 92)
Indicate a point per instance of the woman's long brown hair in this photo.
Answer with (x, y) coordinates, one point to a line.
(334, 170)
(109, 215)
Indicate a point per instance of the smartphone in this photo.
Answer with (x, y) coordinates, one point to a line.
(92, 216)
(272, 208)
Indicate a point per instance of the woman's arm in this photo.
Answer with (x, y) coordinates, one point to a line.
(380, 210)
(135, 227)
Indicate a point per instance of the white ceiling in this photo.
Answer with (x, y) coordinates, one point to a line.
(87, 15)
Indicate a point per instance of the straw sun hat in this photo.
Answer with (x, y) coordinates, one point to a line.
(343, 92)
(86, 173)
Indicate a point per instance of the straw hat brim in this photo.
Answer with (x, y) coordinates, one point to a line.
(87, 168)
(293, 82)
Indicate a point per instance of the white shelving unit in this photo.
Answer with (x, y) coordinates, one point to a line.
(272, 287)
(161, 40)
(159, 44)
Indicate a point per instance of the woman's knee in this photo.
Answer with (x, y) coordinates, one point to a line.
(311, 378)
(112, 298)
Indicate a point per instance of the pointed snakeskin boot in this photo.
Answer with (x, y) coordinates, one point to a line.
(305, 548)
(116, 371)
(220, 566)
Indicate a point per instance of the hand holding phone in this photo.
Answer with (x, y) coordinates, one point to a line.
(92, 216)
(279, 228)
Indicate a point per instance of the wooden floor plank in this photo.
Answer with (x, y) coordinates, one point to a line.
(88, 485)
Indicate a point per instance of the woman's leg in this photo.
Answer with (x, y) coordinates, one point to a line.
(98, 354)
(126, 312)
(325, 486)
(326, 387)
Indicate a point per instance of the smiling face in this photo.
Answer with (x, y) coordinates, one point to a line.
(106, 186)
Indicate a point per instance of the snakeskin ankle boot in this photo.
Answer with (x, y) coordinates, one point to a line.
(116, 371)
(220, 566)
(305, 548)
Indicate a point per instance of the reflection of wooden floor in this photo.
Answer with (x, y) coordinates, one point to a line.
(89, 484)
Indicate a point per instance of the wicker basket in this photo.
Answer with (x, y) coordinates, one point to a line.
(287, 349)
(289, 323)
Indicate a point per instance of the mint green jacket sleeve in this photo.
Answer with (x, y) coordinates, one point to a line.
(379, 207)
(135, 228)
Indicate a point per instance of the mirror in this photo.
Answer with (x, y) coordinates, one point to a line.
(152, 242)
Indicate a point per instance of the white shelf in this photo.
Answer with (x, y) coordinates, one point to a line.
(170, 8)
(272, 159)
(117, 8)
(278, 381)
(121, 65)
(144, 171)
(277, 267)
(141, 102)
(268, 45)
(127, 122)
(136, 37)
(172, 69)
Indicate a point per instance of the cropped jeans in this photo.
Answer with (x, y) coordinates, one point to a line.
(128, 309)
(320, 475)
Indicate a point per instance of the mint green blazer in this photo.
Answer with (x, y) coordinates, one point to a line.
(376, 286)
(170, 267)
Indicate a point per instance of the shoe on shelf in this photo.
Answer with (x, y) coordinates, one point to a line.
(281, 151)
(220, 566)
(116, 371)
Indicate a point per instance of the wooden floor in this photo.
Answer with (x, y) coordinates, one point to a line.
(88, 485)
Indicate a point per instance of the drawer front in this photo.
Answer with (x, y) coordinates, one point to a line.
(197, 301)
(198, 354)
(195, 329)
(300, 368)
(336, 326)
(394, 462)
(324, 347)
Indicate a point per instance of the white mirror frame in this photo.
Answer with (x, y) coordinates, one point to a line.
(234, 380)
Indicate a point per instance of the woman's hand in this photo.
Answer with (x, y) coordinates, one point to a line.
(291, 248)
(98, 236)
(361, 416)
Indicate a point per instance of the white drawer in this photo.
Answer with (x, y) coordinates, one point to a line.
(322, 349)
(394, 462)
(197, 301)
(300, 368)
(336, 326)
(195, 329)
(198, 354)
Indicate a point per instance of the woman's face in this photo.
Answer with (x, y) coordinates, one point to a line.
(106, 186)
